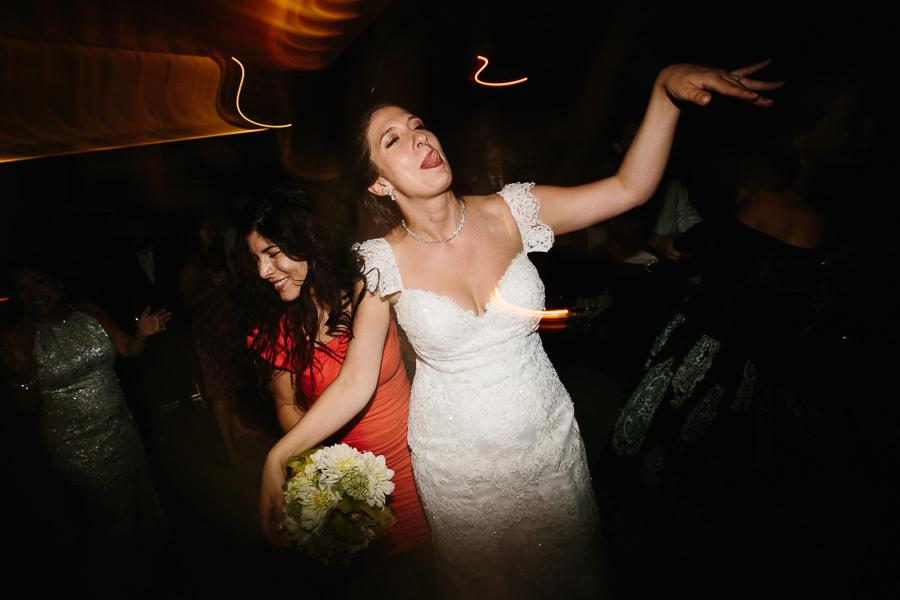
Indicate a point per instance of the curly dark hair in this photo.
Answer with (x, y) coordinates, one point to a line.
(285, 216)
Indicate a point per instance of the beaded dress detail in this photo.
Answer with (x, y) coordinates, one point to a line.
(497, 454)
(89, 431)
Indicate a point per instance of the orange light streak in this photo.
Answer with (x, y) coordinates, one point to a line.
(507, 83)
(237, 102)
(319, 19)
(545, 315)
(64, 99)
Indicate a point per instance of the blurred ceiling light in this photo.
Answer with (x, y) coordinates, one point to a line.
(237, 101)
(96, 75)
(62, 99)
(295, 34)
(504, 84)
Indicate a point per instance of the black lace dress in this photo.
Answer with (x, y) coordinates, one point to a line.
(721, 402)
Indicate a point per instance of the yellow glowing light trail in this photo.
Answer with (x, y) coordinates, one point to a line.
(484, 66)
(502, 304)
(237, 102)
(132, 145)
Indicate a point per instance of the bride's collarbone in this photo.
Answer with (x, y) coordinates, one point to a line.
(467, 278)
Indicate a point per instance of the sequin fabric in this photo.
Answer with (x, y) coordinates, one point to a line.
(497, 454)
(87, 427)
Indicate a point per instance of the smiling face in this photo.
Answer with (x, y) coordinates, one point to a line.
(40, 294)
(408, 157)
(285, 274)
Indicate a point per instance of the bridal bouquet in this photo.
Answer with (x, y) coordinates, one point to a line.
(334, 502)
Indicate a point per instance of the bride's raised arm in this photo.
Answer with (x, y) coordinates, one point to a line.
(567, 209)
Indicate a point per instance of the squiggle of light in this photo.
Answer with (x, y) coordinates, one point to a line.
(546, 315)
(484, 66)
(237, 102)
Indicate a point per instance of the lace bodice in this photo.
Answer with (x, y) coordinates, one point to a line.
(525, 208)
(497, 455)
(448, 337)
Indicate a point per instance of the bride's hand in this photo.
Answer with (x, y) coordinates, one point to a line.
(271, 502)
(694, 83)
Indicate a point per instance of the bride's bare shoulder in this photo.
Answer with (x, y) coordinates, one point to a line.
(492, 204)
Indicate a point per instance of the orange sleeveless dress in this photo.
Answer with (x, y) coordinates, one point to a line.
(379, 428)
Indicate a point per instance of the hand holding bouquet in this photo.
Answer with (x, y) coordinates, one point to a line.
(334, 502)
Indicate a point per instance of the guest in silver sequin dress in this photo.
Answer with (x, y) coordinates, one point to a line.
(61, 359)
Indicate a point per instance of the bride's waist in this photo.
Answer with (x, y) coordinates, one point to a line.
(487, 362)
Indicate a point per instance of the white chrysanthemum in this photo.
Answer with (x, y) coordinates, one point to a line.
(312, 495)
(294, 486)
(318, 502)
(379, 479)
(333, 462)
(303, 478)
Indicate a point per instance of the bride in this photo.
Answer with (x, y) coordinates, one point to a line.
(496, 451)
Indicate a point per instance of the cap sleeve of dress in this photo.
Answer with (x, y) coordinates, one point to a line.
(525, 208)
(380, 267)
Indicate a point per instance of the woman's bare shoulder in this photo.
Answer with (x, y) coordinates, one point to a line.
(18, 337)
(784, 216)
(491, 205)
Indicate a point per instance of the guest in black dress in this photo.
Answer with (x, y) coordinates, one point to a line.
(721, 439)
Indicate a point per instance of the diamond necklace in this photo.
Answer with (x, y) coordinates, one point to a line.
(446, 239)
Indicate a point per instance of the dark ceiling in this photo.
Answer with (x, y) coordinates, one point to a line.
(589, 65)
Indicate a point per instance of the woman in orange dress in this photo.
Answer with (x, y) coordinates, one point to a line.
(309, 304)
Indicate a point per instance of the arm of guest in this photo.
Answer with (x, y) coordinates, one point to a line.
(19, 367)
(567, 209)
(342, 400)
(129, 345)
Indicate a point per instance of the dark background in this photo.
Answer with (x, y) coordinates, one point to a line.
(589, 66)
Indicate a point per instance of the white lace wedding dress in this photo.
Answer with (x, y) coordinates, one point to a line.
(497, 455)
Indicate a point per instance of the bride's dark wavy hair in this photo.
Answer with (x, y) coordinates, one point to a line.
(380, 215)
(285, 216)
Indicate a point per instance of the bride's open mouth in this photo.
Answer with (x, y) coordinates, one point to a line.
(432, 160)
